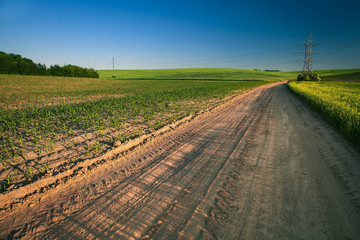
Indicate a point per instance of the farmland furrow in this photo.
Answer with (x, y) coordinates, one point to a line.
(151, 170)
(144, 197)
(260, 166)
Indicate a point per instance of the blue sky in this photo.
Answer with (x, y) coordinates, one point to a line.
(144, 34)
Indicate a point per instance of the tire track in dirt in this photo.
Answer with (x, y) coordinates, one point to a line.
(147, 200)
(291, 181)
(172, 223)
(101, 193)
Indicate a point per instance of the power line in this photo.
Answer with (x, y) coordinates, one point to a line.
(341, 48)
(113, 68)
(343, 22)
(271, 52)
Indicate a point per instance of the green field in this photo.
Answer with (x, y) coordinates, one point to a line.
(348, 75)
(338, 75)
(56, 122)
(198, 74)
(338, 102)
(48, 124)
(337, 72)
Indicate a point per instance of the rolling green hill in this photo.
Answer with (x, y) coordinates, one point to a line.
(338, 75)
(198, 74)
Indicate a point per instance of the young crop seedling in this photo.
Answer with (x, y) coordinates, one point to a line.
(22, 154)
(52, 145)
(46, 149)
(87, 149)
(29, 175)
(12, 153)
(99, 146)
(3, 160)
(37, 150)
(44, 168)
(5, 184)
(21, 141)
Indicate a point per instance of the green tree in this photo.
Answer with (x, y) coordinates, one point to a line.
(309, 77)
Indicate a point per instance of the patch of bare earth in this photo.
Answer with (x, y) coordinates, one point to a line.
(260, 166)
(55, 101)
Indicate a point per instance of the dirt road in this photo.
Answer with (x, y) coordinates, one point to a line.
(262, 166)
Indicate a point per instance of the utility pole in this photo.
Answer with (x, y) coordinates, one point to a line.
(308, 54)
(113, 69)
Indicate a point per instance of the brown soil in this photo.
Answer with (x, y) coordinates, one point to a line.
(54, 101)
(261, 166)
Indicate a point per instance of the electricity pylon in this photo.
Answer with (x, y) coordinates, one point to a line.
(308, 54)
(113, 69)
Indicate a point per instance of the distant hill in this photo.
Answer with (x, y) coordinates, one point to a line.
(340, 75)
(213, 74)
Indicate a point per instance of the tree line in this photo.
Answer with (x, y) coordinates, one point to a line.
(15, 64)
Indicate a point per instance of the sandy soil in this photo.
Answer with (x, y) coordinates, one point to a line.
(261, 166)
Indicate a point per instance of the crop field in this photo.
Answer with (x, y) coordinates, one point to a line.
(346, 75)
(338, 102)
(199, 74)
(50, 124)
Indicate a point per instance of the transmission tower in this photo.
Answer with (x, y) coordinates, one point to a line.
(308, 54)
(113, 68)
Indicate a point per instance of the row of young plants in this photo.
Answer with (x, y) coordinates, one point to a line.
(18, 91)
(339, 103)
(40, 91)
(39, 129)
